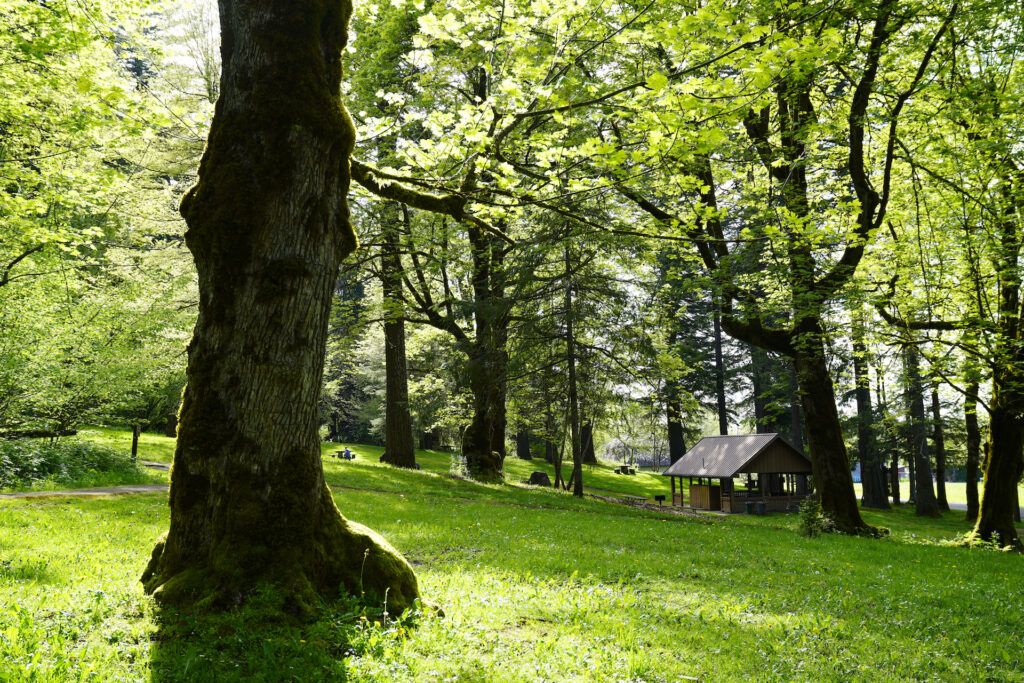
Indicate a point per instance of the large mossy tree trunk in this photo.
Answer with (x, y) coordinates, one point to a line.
(1005, 462)
(268, 227)
(399, 447)
(483, 442)
(830, 463)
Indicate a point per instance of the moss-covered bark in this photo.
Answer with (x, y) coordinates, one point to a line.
(1005, 462)
(268, 226)
(829, 460)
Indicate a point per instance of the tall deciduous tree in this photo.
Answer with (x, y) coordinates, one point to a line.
(268, 228)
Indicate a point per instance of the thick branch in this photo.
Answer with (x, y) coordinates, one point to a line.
(448, 205)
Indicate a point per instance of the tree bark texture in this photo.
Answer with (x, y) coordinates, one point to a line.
(830, 463)
(973, 448)
(757, 362)
(925, 504)
(939, 441)
(872, 471)
(399, 447)
(523, 445)
(483, 442)
(587, 443)
(1006, 415)
(574, 412)
(674, 414)
(268, 226)
(1005, 461)
(723, 414)
(796, 415)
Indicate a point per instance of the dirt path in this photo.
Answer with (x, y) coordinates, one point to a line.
(99, 491)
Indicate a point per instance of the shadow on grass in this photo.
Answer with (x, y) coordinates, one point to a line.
(257, 641)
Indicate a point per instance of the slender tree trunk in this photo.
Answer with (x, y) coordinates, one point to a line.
(911, 465)
(872, 472)
(973, 448)
(939, 440)
(894, 478)
(894, 469)
(399, 448)
(268, 227)
(549, 429)
(723, 414)
(574, 412)
(135, 442)
(925, 504)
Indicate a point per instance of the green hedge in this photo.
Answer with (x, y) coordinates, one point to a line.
(68, 463)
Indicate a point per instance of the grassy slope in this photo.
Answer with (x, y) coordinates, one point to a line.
(536, 586)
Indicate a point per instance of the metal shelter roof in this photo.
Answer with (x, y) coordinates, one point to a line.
(726, 456)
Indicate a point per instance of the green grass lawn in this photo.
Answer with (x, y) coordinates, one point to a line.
(153, 447)
(536, 586)
(956, 491)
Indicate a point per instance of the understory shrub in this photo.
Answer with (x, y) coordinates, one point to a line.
(26, 463)
(813, 520)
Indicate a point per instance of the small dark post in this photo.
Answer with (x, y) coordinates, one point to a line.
(135, 442)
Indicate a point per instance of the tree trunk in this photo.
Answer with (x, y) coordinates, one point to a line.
(399, 448)
(268, 227)
(723, 415)
(673, 411)
(483, 443)
(911, 466)
(872, 472)
(574, 413)
(894, 478)
(939, 440)
(829, 461)
(171, 426)
(973, 448)
(523, 445)
(135, 442)
(1005, 462)
(925, 504)
(757, 362)
(587, 443)
(795, 414)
